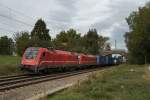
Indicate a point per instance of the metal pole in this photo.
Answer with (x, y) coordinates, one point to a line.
(115, 44)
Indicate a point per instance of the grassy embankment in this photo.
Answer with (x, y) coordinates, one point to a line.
(124, 82)
(9, 65)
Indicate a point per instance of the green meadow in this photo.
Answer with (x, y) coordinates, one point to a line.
(123, 82)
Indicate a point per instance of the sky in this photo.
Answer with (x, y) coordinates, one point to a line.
(107, 16)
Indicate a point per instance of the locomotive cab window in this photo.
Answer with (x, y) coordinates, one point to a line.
(31, 53)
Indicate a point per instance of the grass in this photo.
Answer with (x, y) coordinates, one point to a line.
(9, 65)
(124, 82)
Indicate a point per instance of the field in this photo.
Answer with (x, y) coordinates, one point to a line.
(124, 82)
(9, 64)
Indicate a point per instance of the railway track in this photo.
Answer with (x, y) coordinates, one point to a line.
(7, 83)
(13, 77)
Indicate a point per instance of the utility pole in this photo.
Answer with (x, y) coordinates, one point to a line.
(115, 44)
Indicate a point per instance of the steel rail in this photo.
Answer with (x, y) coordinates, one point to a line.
(32, 80)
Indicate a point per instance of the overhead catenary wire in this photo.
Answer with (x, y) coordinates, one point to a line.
(57, 24)
(10, 18)
(6, 30)
(20, 15)
(14, 26)
(13, 19)
(16, 11)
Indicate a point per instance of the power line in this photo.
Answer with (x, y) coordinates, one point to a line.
(16, 11)
(7, 30)
(22, 15)
(16, 20)
(57, 24)
(3, 23)
(10, 18)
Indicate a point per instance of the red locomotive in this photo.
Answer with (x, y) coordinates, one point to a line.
(87, 60)
(37, 59)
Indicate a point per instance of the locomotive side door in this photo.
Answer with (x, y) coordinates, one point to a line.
(43, 59)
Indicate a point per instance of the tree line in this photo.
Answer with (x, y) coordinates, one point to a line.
(138, 38)
(70, 40)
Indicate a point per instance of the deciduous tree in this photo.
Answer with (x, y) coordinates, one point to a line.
(6, 46)
(138, 38)
(22, 40)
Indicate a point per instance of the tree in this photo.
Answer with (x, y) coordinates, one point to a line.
(40, 35)
(6, 46)
(73, 40)
(138, 38)
(22, 41)
(67, 40)
(70, 40)
(60, 41)
(102, 42)
(90, 42)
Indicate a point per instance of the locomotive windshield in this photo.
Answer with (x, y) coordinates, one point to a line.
(31, 53)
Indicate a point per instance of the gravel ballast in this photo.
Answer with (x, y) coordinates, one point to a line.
(36, 91)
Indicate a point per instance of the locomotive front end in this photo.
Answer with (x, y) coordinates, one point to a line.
(30, 59)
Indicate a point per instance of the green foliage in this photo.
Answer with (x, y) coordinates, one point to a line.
(6, 46)
(124, 82)
(67, 40)
(102, 42)
(138, 39)
(22, 40)
(40, 35)
(90, 43)
(39, 38)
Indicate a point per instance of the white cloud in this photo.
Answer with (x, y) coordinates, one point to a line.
(107, 16)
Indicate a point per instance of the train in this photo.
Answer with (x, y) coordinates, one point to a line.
(37, 59)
